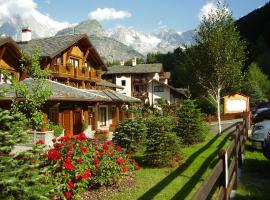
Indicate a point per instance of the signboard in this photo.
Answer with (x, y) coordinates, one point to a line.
(236, 104)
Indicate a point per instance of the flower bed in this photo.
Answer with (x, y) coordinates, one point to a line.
(77, 164)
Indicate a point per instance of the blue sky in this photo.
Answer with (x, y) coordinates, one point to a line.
(143, 15)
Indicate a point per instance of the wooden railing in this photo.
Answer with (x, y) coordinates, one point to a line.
(223, 177)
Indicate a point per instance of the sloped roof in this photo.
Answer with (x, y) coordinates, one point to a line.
(115, 96)
(68, 93)
(52, 46)
(181, 91)
(11, 43)
(138, 69)
(108, 84)
(59, 92)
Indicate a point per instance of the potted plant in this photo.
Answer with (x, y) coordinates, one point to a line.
(69, 66)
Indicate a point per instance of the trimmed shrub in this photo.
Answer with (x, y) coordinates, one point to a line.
(130, 134)
(191, 125)
(162, 144)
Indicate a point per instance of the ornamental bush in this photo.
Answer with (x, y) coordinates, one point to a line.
(130, 134)
(162, 144)
(191, 125)
(76, 164)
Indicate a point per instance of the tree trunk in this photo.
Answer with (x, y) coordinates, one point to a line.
(218, 110)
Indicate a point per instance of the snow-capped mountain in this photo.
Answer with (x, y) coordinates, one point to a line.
(41, 25)
(164, 41)
(142, 42)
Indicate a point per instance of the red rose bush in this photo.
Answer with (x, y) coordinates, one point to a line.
(77, 164)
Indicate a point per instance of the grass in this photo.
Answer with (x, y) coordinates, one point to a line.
(255, 177)
(181, 182)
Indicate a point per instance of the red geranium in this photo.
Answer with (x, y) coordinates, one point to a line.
(124, 169)
(69, 153)
(99, 153)
(83, 149)
(71, 184)
(54, 154)
(68, 194)
(86, 174)
(39, 142)
(118, 148)
(54, 140)
(58, 145)
(79, 160)
(68, 166)
(96, 161)
(81, 137)
(69, 148)
(68, 160)
(120, 161)
(105, 147)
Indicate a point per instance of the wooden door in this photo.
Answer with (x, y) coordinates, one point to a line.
(77, 122)
(66, 122)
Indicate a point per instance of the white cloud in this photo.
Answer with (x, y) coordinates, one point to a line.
(102, 14)
(11, 8)
(206, 9)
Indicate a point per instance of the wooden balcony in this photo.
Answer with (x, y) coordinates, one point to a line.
(140, 81)
(75, 73)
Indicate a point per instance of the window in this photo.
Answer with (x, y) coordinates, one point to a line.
(58, 60)
(74, 62)
(158, 89)
(123, 82)
(87, 65)
(140, 88)
(102, 116)
(53, 115)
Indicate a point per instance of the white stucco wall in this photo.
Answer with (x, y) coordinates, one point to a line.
(127, 88)
(158, 95)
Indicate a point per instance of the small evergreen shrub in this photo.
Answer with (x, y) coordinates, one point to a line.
(191, 126)
(130, 134)
(162, 144)
(57, 129)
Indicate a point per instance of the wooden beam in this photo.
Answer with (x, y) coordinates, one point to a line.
(69, 53)
(2, 51)
(85, 57)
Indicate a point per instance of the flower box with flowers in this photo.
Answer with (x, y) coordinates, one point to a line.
(102, 134)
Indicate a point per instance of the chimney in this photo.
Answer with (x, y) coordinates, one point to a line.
(134, 61)
(122, 62)
(26, 34)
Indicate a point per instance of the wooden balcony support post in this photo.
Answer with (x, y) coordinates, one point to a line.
(96, 116)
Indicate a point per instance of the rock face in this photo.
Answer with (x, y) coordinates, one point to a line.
(109, 48)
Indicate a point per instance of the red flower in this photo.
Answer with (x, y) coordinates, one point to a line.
(54, 140)
(118, 148)
(96, 161)
(124, 169)
(69, 153)
(68, 160)
(99, 153)
(71, 184)
(68, 194)
(86, 174)
(69, 148)
(108, 153)
(120, 161)
(83, 149)
(105, 147)
(79, 160)
(81, 137)
(136, 165)
(68, 166)
(58, 145)
(39, 142)
(54, 154)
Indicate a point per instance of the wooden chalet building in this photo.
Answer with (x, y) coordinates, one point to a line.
(148, 82)
(79, 93)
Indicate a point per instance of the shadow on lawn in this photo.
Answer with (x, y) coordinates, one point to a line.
(151, 193)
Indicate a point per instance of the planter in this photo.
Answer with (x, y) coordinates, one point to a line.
(101, 136)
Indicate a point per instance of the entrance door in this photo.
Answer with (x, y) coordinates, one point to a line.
(77, 122)
(67, 122)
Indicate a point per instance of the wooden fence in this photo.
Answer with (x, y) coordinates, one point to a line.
(224, 174)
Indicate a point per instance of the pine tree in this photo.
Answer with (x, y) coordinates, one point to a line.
(191, 126)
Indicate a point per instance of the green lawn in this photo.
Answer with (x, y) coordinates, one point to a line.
(177, 183)
(255, 178)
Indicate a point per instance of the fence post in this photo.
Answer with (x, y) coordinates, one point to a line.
(225, 180)
(236, 140)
